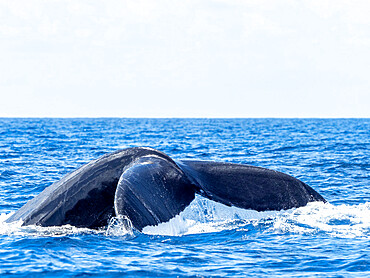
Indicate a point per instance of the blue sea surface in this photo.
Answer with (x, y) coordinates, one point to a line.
(207, 239)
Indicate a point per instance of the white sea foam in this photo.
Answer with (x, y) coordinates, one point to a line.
(206, 216)
(347, 221)
(9, 228)
(16, 229)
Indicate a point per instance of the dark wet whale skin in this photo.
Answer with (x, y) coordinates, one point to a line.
(149, 188)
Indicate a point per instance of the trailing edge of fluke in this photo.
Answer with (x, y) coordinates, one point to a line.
(149, 188)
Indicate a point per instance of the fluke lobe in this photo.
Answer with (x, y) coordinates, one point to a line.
(149, 188)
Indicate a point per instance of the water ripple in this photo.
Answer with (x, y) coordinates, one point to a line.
(207, 239)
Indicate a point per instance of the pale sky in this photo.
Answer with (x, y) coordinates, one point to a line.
(185, 58)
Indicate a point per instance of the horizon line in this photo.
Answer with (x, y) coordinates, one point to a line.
(144, 117)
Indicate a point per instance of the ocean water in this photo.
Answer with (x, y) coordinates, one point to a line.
(207, 239)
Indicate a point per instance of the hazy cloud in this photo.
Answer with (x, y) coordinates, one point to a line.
(185, 58)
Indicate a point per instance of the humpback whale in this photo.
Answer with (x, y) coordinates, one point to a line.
(149, 188)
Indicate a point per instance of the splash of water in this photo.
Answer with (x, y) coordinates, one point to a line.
(120, 226)
(16, 229)
(348, 221)
(206, 216)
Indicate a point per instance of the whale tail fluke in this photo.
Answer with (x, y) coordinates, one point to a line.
(248, 187)
(152, 190)
(149, 188)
